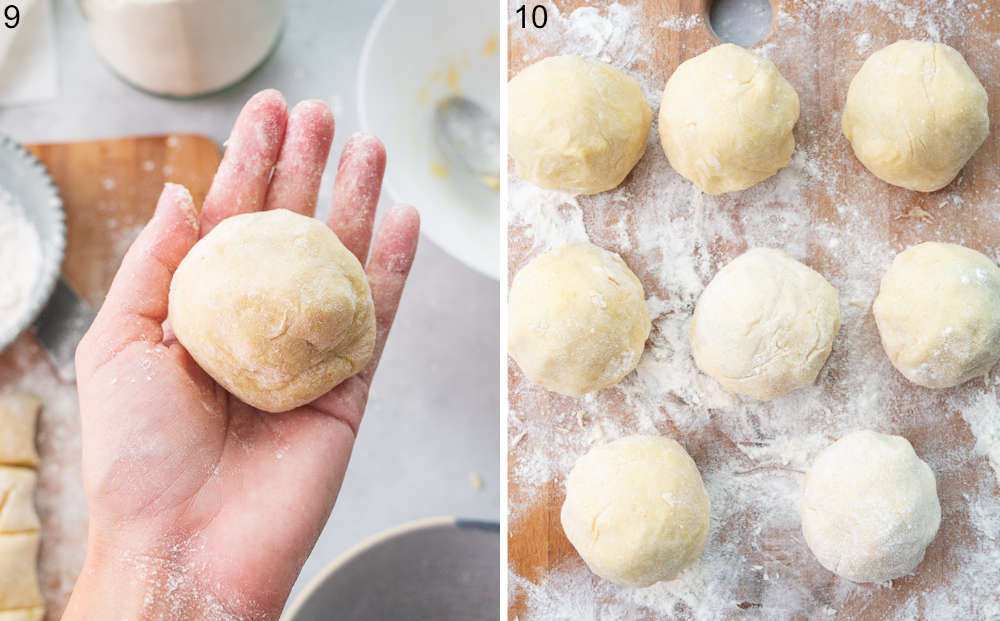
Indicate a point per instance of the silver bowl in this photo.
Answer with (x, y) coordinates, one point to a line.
(29, 182)
(440, 569)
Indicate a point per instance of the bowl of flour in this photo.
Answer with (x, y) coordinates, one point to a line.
(32, 238)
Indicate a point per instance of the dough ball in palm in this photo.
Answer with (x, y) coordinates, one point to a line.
(274, 307)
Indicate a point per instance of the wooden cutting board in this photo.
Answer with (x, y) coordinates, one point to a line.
(818, 50)
(109, 189)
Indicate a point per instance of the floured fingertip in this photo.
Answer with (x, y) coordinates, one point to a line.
(181, 197)
(360, 139)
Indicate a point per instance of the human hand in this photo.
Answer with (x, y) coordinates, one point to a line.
(202, 507)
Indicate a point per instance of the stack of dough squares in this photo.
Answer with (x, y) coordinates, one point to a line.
(20, 597)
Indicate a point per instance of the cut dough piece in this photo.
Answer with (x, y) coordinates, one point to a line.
(274, 307)
(765, 325)
(915, 114)
(17, 500)
(938, 314)
(578, 319)
(18, 417)
(576, 125)
(726, 119)
(870, 507)
(20, 598)
(23, 614)
(636, 510)
(19, 571)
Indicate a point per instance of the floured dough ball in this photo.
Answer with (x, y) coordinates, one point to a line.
(576, 125)
(578, 319)
(274, 308)
(938, 313)
(726, 119)
(636, 510)
(765, 324)
(870, 507)
(915, 114)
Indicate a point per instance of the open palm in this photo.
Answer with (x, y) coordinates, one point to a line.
(211, 506)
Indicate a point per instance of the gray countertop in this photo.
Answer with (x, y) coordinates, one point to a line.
(433, 418)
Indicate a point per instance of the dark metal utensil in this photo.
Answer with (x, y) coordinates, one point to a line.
(61, 325)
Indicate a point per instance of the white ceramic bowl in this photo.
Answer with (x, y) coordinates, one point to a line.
(418, 52)
(26, 179)
(440, 568)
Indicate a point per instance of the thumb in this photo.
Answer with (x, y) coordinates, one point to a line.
(136, 304)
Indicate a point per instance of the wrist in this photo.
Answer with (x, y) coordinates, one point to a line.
(115, 584)
(166, 581)
(104, 590)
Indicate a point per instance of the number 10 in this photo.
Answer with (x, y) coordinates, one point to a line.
(539, 16)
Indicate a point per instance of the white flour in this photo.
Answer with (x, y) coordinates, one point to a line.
(679, 23)
(20, 260)
(594, 33)
(752, 455)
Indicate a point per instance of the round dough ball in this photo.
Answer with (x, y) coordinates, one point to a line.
(576, 125)
(636, 510)
(938, 313)
(869, 507)
(274, 308)
(726, 119)
(578, 319)
(765, 324)
(915, 114)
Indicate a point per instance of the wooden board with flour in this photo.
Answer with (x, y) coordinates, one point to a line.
(109, 189)
(824, 209)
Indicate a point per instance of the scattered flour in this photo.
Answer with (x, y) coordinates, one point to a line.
(863, 41)
(594, 33)
(678, 23)
(20, 262)
(826, 210)
(981, 411)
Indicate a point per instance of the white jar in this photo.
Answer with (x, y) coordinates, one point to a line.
(183, 48)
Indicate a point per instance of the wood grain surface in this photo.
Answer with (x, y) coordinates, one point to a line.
(963, 212)
(109, 189)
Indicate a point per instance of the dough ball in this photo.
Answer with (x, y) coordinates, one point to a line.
(576, 125)
(915, 114)
(869, 507)
(274, 308)
(765, 324)
(726, 119)
(636, 510)
(578, 319)
(938, 313)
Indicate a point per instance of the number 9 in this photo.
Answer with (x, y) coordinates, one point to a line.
(12, 16)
